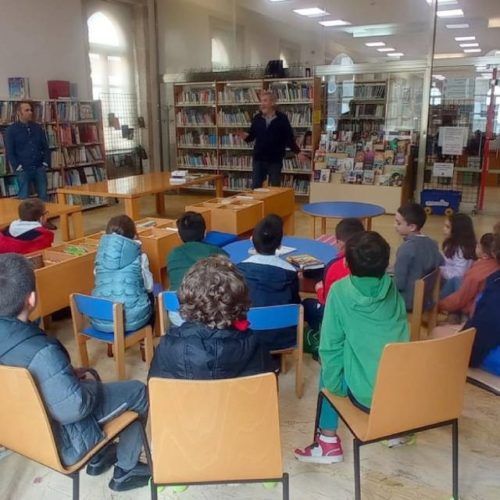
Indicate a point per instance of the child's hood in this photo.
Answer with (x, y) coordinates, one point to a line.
(116, 252)
(19, 227)
(370, 294)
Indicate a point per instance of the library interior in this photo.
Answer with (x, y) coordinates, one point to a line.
(209, 219)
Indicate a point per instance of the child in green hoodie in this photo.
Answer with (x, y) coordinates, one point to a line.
(363, 313)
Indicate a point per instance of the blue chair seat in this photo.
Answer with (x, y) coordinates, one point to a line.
(219, 239)
(104, 336)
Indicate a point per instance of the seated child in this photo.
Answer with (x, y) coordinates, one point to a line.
(27, 234)
(459, 248)
(75, 406)
(334, 271)
(214, 341)
(363, 313)
(418, 255)
(464, 299)
(122, 275)
(272, 281)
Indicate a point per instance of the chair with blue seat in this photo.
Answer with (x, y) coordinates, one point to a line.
(219, 239)
(85, 308)
(167, 302)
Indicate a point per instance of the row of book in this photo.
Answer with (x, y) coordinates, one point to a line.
(196, 96)
(194, 117)
(292, 164)
(239, 161)
(369, 91)
(43, 111)
(75, 156)
(85, 175)
(77, 134)
(238, 182)
(299, 185)
(70, 111)
(9, 186)
(292, 91)
(197, 139)
(3, 164)
(299, 116)
(234, 117)
(197, 160)
(239, 95)
(233, 140)
(368, 111)
(390, 175)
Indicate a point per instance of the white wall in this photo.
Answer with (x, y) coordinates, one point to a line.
(43, 40)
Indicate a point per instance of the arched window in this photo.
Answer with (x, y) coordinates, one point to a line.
(435, 95)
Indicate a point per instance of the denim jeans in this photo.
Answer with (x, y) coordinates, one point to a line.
(262, 169)
(450, 286)
(116, 398)
(35, 176)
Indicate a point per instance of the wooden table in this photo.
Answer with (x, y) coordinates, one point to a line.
(9, 212)
(131, 189)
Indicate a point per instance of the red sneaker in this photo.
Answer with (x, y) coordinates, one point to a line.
(325, 450)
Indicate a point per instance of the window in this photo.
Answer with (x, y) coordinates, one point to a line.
(220, 57)
(435, 95)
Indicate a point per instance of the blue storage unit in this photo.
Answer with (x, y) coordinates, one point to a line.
(440, 201)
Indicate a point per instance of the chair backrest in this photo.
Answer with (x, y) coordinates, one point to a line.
(168, 302)
(215, 430)
(425, 297)
(420, 384)
(274, 317)
(24, 425)
(94, 307)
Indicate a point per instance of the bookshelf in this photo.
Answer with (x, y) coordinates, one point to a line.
(76, 142)
(209, 114)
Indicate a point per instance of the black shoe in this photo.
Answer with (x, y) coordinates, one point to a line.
(50, 225)
(102, 461)
(124, 480)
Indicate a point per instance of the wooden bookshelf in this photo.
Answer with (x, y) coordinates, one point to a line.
(76, 141)
(208, 115)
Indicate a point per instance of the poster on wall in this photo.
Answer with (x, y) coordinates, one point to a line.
(19, 87)
(453, 140)
(442, 170)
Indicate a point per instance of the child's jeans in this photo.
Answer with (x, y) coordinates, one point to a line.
(313, 313)
(450, 286)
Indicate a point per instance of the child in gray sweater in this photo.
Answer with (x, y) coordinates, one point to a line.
(418, 255)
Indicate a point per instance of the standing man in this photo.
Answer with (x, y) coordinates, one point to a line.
(272, 133)
(28, 152)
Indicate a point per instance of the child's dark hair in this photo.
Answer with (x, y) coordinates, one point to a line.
(413, 213)
(191, 227)
(31, 209)
(367, 254)
(268, 234)
(122, 225)
(214, 293)
(462, 237)
(347, 228)
(487, 243)
(17, 281)
(496, 244)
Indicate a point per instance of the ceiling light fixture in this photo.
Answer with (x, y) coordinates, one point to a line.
(442, 2)
(494, 22)
(469, 45)
(450, 13)
(457, 26)
(471, 51)
(334, 22)
(375, 44)
(386, 49)
(439, 77)
(395, 54)
(444, 55)
(464, 38)
(311, 12)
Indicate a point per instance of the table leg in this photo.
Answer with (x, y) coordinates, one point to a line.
(132, 207)
(63, 219)
(77, 221)
(160, 203)
(313, 226)
(368, 223)
(323, 225)
(219, 191)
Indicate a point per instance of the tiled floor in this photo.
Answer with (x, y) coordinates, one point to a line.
(422, 471)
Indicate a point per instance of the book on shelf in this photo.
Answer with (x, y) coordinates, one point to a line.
(200, 159)
(3, 165)
(234, 117)
(305, 262)
(19, 87)
(194, 117)
(292, 91)
(325, 175)
(299, 115)
(196, 96)
(197, 138)
(243, 95)
(86, 111)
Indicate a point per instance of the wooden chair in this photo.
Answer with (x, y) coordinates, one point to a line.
(84, 307)
(420, 386)
(25, 426)
(232, 424)
(167, 301)
(275, 317)
(426, 294)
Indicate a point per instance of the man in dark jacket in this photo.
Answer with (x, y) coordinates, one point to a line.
(76, 407)
(272, 133)
(28, 152)
(271, 280)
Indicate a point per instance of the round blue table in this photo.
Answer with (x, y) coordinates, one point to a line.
(238, 251)
(342, 210)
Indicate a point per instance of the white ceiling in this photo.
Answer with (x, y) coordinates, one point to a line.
(409, 21)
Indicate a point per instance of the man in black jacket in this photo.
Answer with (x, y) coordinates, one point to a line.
(272, 133)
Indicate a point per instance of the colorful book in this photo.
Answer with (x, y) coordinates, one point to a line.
(305, 261)
(19, 87)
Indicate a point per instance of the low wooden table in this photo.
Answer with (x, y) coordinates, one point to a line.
(9, 212)
(132, 189)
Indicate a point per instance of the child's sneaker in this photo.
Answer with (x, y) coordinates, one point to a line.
(407, 440)
(325, 450)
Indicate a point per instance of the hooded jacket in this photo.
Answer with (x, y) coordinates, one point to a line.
(182, 258)
(69, 401)
(272, 286)
(118, 277)
(196, 352)
(362, 315)
(25, 237)
(486, 321)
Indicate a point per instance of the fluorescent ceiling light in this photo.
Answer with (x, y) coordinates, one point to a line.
(470, 51)
(453, 55)
(277, 0)
(457, 26)
(439, 77)
(486, 76)
(494, 22)
(469, 45)
(464, 38)
(443, 2)
(311, 12)
(386, 49)
(395, 54)
(450, 13)
(375, 44)
(334, 22)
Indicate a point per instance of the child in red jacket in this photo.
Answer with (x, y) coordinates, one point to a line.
(27, 234)
(335, 271)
